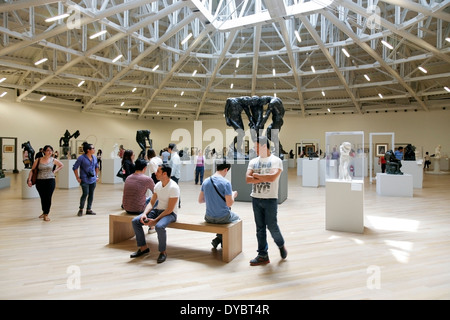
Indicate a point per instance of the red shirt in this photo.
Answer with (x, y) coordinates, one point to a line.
(134, 190)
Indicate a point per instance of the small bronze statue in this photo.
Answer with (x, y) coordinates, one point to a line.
(410, 153)
(393, 165)
(141, 137)
(26, 146)
(64, 143)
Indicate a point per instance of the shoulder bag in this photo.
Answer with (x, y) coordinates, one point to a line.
(34, 173)
(212, 181)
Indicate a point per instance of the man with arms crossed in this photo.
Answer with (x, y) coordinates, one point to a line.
(263, 173)
(166, 192)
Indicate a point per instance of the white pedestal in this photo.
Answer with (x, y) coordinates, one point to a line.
(110, 167)
(310, 172)
(187, 171)
(415, 169)
(395, 185)
(299, 166)
(328, 170)
(66, 177)
(27, 192)
(291, 163)
(5, 182)
(344, 206)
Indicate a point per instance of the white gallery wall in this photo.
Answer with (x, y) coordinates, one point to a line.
(42, 123)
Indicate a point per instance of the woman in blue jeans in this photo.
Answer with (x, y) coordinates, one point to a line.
(87, 177)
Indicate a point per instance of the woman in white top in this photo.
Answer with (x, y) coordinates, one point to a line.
(153, 163)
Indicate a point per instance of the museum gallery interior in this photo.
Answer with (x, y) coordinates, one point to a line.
(339, 88)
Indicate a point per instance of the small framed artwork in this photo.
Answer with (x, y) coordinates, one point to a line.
(8, 148)
(381, 149)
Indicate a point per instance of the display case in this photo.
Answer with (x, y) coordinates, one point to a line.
(344, 162)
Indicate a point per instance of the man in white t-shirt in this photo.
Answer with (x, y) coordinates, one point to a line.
(161, 211)
(264, 173)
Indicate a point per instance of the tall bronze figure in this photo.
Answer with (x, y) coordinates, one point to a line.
(64, 142)
(26, 146)
(141, 137)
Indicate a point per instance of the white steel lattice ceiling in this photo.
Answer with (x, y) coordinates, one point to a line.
(129, 57)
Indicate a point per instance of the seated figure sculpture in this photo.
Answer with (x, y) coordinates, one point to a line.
(393, 165)
(344, 149)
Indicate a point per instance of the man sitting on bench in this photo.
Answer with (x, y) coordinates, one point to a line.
(161, 211)
(216, 192)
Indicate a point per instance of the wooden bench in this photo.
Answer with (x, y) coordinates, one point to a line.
(120, 229)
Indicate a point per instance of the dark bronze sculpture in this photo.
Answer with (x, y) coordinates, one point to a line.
(410, 153)
(64, 143)
(233, 116)
(393, 165)
(26, 146)
(254, 109)
(141, 137)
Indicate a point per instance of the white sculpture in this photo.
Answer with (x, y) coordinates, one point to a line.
(115, 152)
(344, 149)
(437, 152)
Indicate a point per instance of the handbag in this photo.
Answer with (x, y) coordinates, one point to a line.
(34, 173)
(121, 173)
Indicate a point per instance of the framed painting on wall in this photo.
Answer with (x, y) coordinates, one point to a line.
(380, 149)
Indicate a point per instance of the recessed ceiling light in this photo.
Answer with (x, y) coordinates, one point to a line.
(98, 34)
(81, 83)
(345, 52)
(122, 104)
(3, 94)
(40, 61)
(380, 95)
(313, 69)
(367, 77)
(42, 98)
(182, 93)
(61, 16)
(447, 39)
(423, 70)
(231, 86)
(273, 71)
(134, 89)
(2, 79)
(117, 58)
(237, 63)
(194, 73)
(387, 45)
(299, 39)
(447, 89)
(175, 105)
(187, 38)
(323, 93)
(155, 67)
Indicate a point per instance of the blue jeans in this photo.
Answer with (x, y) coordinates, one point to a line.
(160, 228)
(265, 213)
(88, 192)
(199, 171)
(222, 220)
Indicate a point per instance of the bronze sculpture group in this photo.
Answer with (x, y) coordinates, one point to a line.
(257, 116)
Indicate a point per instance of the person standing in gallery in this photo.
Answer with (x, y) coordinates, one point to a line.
(86, 173)
(128, 163)
(174, 162)
(264, 173)
(382, 162)
(427, 160)
(153, 163)
(199, 167)
(45, 182)
(99, 158)
(165, 155)
(399, 153)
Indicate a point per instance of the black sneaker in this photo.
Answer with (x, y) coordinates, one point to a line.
(80, 212)
(283, 252)
(259, 260)
(161, 258)
(90, 212)
(215, 242)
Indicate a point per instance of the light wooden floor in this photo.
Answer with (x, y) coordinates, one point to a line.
(406, 242)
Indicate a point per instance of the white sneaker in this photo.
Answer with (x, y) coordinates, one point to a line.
(151, 230)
